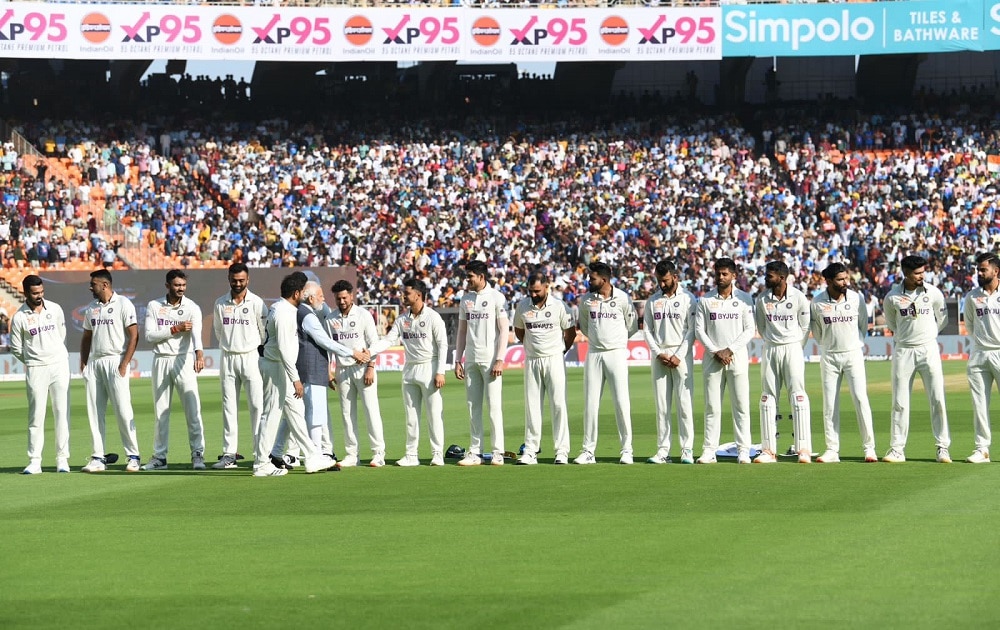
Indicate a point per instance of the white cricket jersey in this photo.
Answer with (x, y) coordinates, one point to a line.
(784, 321)
(543, 326)
(481, 311)
(282, 340)
(108, 323)
(239, 327)
(161, 315)
(668, 323)
(39, 338)
(724, 322)
(982, 319)
(607, 323)
(424, 338)
(915, 318)
(839, 325)
(356, 330)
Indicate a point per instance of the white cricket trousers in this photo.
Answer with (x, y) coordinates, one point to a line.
(104, 384)
(599, 367)
(907, 363)
(351, 387)
(983, 371)
(280, 402)
(670, 386)
(834, 367)
(46, 382)
(170, 373)
(240, 370)
(784, 365)
(545, 377)
(479, 383)
(317, 417)
(717, 379)
(419, 392)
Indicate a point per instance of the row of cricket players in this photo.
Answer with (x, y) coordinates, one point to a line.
(307, 347)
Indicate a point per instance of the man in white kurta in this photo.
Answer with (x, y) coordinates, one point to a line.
(915, 313)
(38, 340)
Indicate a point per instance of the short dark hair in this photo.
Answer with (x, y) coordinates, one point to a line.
(477, 267)
(538, 277)
(909, 263)
(238, 268)
(293, 283)
(101, 274)
(726, 263)
(778, 267)
(988, 257)
(342, 285)
(417, 285)
(30, 281)
(173, 274)
(833, 270)
(601, 269)
(664, 267)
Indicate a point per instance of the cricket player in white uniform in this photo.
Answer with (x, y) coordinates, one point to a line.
(782, 318)
(607, 319)
(238, 322)
(173, 326)
(357, 383)
(916, 313)
(546, 328)
(481, 348)
(38, 340)
(724, 325)
(425, 344)
(668, 325)
(283, 389)
(110, 336)
(839, 324)
(982, 323)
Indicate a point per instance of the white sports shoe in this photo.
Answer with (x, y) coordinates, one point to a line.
(561, 459)
(497, 459)
(291, 460)
(586, 457)
(527, 459)
(95, 465)
(626, 459)
(62, 465)
(979, 457)
(687, 456)
(805, 457)
(659, 458)
(225, 462)
(348, 462)
(471, 459)
(707, 457)
(437, 459)
(743, 456)
(765, 457)
(319, 463)
(408, 460)
(871, 456)
(198, 462)
(378, 460)
(33, 468)
(829, 457)
(894, 457)
(943, 456)
(269, 470)
(154, 463)
(133, 464)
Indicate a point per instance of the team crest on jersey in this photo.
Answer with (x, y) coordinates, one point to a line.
(246, 309)
(352, 324)
(677, 304)
(48, 316)
(927, 298)
(788, 305)
(180, 312)
(484, 303)
(422, 324)
(548, 313)
(110, 310)
(847, 306)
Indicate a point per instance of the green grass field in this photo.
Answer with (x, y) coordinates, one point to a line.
(849, 545)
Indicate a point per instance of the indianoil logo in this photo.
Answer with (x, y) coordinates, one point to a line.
(358, 30)
(614, 31)
(486, 31)
(227, 29)
(95, 28)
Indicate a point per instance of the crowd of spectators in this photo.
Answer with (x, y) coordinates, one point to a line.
(422, 195)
